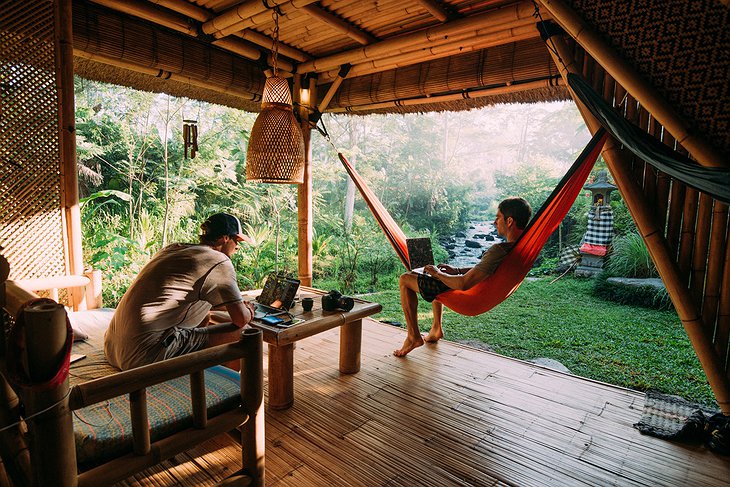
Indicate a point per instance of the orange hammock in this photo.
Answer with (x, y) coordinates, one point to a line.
(509, 275)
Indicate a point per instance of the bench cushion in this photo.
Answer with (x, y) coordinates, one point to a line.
(104, 431)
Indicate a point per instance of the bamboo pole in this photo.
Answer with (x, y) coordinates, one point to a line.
(634, 83)
(236, 14)
(147, 11)
(435, 9)
(722, 335)
(267, 42)
(70, 209)
(140, 422)
(674, 219)
(643, 216)
(94, 299)
(492, 21)
(262, 17)
(197, 396)
(253, 437)
(185, 8)
(45, 339)
(686, 242)
(304, 199)
(718, 242)
(699, 254)
(440, 50)
(339, 25)
(514, 88)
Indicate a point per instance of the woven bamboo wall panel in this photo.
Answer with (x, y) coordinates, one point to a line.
(488, 67)
(687, 58)
(31, 225)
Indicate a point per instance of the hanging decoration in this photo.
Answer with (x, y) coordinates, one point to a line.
(276, 146)
(190, 138)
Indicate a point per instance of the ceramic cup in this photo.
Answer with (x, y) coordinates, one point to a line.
(307, 304)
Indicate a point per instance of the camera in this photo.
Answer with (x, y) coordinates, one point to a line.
(335, 300)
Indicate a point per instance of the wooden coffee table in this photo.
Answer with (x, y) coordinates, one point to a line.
(282, 341)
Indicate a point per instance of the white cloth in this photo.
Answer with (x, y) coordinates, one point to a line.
(176, 289)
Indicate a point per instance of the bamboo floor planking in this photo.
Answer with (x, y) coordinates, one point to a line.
(447, 415)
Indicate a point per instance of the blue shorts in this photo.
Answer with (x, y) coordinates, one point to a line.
(430, 287)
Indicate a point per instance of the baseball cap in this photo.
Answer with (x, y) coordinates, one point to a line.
(221, 224)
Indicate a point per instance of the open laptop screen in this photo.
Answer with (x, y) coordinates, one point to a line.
(279, 291)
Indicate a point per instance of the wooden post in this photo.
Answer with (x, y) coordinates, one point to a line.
(13, 448)
(642, 213)
(350, 347)
(45, 337)
(281, 366)
(93, 289)
(253, 439)
(70, 210)
(304, 194)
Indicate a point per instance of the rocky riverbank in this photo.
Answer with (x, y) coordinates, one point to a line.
(465, 248)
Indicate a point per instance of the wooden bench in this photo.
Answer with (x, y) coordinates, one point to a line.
(48, 413)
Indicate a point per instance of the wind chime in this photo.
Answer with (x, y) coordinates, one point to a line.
(190, 138)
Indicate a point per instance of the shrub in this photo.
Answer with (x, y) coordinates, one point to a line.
(630, 258)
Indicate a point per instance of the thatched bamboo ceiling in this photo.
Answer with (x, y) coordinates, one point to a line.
(405, 55)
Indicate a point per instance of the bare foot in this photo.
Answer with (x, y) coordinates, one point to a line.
(408, 345)
(434, 336)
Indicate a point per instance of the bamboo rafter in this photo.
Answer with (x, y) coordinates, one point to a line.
(492, 21)
(338, 24)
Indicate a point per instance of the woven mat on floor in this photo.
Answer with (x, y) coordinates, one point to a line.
(673, 418)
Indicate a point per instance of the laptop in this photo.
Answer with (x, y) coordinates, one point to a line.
(420, 253)
(276, 297)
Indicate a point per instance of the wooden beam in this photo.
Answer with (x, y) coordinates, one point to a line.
(492, 21)
(646, 94)
(421, 54)
(236, 14)
(642, 213)
(70, 209)
(435, 9)
(339, 25)
(304, 192)
(502, 90)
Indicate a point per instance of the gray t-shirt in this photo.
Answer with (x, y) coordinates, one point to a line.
(176, 289)
(493, 257)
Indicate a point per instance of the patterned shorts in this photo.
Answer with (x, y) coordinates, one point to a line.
(181, 341)
(430, 287)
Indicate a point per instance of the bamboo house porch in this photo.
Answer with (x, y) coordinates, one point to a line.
(384, 56)
(451, 415)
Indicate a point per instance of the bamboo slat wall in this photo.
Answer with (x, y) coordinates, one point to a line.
(31, 219)
(693, 224)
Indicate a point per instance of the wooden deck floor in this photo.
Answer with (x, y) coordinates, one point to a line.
(449, 415)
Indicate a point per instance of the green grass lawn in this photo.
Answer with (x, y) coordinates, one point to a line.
(634, 347)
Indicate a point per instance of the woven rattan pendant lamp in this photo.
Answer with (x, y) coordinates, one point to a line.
(276, 146)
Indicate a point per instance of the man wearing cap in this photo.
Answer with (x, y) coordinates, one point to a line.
(165, 312)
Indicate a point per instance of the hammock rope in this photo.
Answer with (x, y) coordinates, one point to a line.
(511, 272)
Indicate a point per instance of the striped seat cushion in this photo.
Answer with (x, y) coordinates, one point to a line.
(104, 431)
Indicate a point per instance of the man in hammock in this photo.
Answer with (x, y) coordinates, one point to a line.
(166, 311)
(513, 214)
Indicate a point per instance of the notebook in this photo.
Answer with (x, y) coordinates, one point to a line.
(420, 253)
(277, 296)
